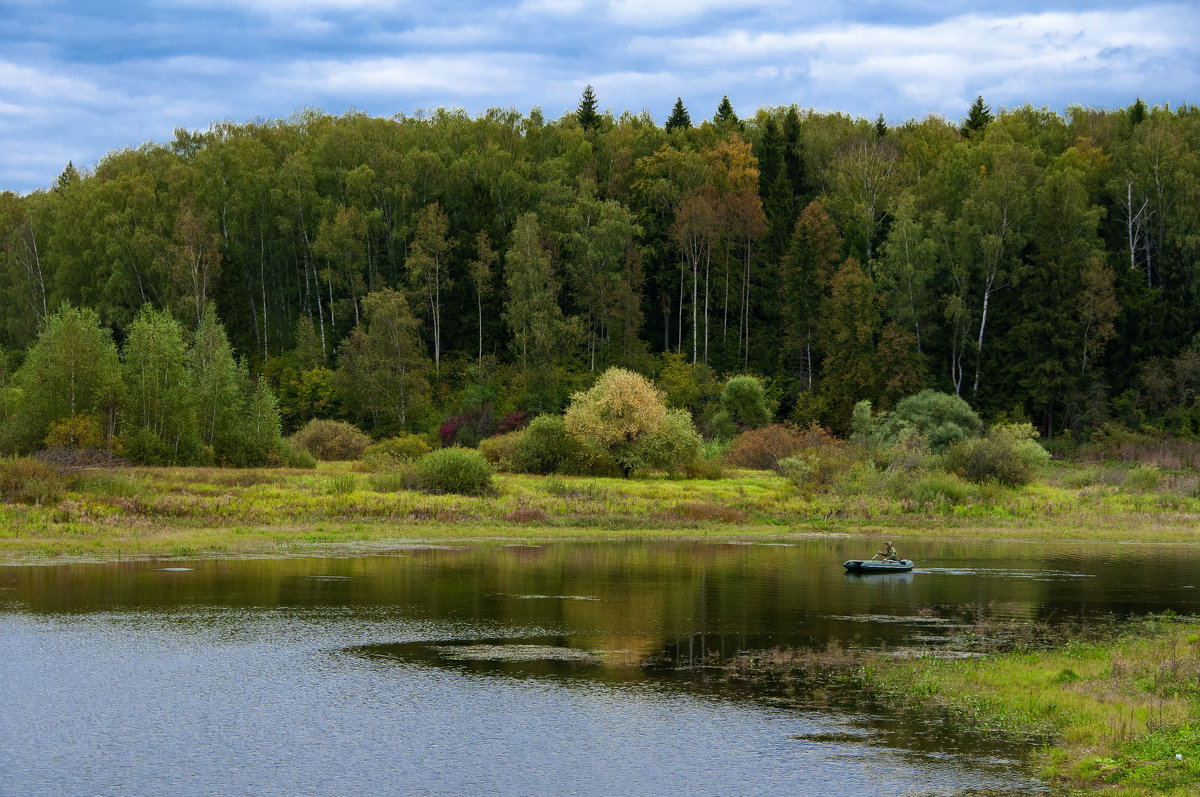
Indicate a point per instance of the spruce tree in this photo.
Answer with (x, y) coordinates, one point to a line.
(979, 117)
(793, 155)
(1137, 112)
(586, 114)
(725, 117)
(769, 151)
(679, 119)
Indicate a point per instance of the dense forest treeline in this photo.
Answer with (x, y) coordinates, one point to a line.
(401, 271)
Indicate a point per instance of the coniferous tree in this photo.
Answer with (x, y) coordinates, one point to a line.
(850, 321)
(725, 118)
(806, 273)
(793, 157)
(979, 117)
(679, 118)
(587, 115)
(1137, 112)
(769, 152)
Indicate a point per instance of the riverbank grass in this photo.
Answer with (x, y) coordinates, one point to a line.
(142, 511)
(1122, 716)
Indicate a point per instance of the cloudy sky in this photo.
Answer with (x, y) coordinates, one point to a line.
(78, 79)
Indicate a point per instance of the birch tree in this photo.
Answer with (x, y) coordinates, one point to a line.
(428, 266)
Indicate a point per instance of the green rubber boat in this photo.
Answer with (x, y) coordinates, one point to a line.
(874, 566)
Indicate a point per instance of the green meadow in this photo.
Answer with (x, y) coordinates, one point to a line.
(114, 513)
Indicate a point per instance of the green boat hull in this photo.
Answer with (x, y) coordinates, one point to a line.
(871, 566)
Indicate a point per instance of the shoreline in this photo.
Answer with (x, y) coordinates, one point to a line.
(355, 540)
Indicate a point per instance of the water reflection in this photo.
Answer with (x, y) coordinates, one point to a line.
(513, 669)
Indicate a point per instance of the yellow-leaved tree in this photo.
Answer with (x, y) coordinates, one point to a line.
(625, 417)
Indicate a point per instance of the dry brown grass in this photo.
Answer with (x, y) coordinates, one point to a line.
(1167, 453)
(702, 512)
(527, 514)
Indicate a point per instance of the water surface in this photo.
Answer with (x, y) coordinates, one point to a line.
(514, 669)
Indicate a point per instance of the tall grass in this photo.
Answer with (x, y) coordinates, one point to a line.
(27, 481)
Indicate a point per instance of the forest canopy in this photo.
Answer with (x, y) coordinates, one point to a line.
(411, 272)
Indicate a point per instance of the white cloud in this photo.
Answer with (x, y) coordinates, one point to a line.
(637, 13)
(558, 8)
(933, 66)
(476, 74)
(965, 37)
(291, 7)
(39, 84)
(442, 37)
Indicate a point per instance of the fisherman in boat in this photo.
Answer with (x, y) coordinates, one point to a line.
(888, 553)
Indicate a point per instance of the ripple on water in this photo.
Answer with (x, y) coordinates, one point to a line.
(546, 597)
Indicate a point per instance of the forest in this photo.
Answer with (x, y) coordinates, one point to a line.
(441, 271)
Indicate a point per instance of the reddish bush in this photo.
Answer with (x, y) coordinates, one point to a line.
(514, 421)
(763, 449)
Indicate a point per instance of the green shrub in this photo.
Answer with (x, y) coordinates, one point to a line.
(1143, 478)
(722, 427)
(1008, 454)
(288, 454)
(331, 440)
(462, 471)
(392, 451)
(619, 416)
(817, 468)
(145, 447)
(744, 402)
(940, 418)
(499, 449)
(545, 446)
(27, 481)
(673, 444)
(1083, 477)
(393, 480)
(863, 477)
(938, 488)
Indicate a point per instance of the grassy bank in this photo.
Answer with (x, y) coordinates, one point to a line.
(1122, 715)
(1113, 710)
(117, 512)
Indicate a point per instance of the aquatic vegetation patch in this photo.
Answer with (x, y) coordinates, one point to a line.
(514, 653)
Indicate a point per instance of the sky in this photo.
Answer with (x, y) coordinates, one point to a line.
(80, 79)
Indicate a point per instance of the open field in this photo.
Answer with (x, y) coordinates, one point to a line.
(156, 512)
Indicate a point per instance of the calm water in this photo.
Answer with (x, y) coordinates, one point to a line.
(515, 669)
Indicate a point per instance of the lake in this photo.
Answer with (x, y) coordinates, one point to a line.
(564, 667)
